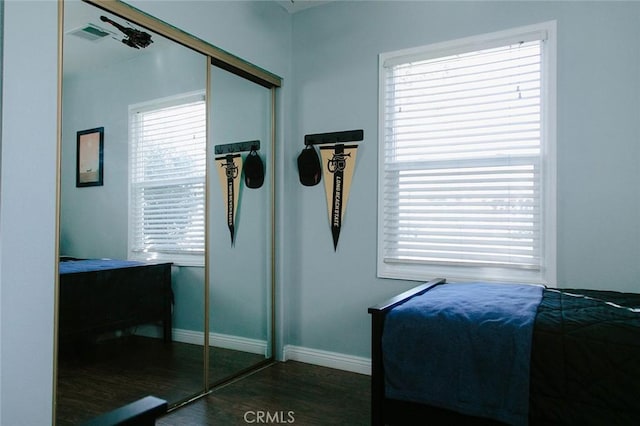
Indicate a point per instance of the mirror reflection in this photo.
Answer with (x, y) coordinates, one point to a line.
(136, 161)
(131, 288)
(240, 247)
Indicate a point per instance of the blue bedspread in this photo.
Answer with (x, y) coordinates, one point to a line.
(87, 265)
(464, 347)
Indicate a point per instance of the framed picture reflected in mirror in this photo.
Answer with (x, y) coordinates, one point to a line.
(89, 157)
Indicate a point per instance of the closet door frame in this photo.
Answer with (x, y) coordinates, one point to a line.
(228, 62)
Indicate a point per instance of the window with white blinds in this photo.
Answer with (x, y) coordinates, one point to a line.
(466, 179)
(167, 180)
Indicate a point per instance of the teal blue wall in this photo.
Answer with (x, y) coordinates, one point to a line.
(335, 87)
(27, 212)
(328, 58)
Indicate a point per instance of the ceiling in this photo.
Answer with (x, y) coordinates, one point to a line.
(293, 6)
(82, 55)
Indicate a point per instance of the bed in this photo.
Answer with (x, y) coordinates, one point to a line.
(97, 296)
(578, 362)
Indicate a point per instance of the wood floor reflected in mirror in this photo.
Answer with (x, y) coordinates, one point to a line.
(95, 377)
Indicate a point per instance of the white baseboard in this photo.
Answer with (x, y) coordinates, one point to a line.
(218, 340)
(238, 343)
(354, 364)
(339, 361)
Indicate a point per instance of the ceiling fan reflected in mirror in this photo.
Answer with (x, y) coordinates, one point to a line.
(133, 37)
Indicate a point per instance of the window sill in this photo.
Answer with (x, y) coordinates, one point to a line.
(416, 272)
(176, 260)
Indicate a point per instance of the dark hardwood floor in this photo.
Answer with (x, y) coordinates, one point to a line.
(94, 378)
(284, 393)
(97, 378)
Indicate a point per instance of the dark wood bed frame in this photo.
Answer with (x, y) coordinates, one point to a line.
(96, 302)
(383, 410)
(607, 397)
(387, 411)
(143, 412)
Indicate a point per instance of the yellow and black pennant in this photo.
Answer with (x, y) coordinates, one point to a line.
(338, 164)
(229, 172)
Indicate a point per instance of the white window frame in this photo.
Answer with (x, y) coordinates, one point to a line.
(547, 274)
(179, 259)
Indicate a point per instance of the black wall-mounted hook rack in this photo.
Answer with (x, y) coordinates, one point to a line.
(334, 137)
(230, 148)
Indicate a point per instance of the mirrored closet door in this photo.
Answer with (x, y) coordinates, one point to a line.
(162, 291)
(133, 161)
(241, 214)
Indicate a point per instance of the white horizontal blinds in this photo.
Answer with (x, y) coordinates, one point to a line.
(462, 159)
(168, 178)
